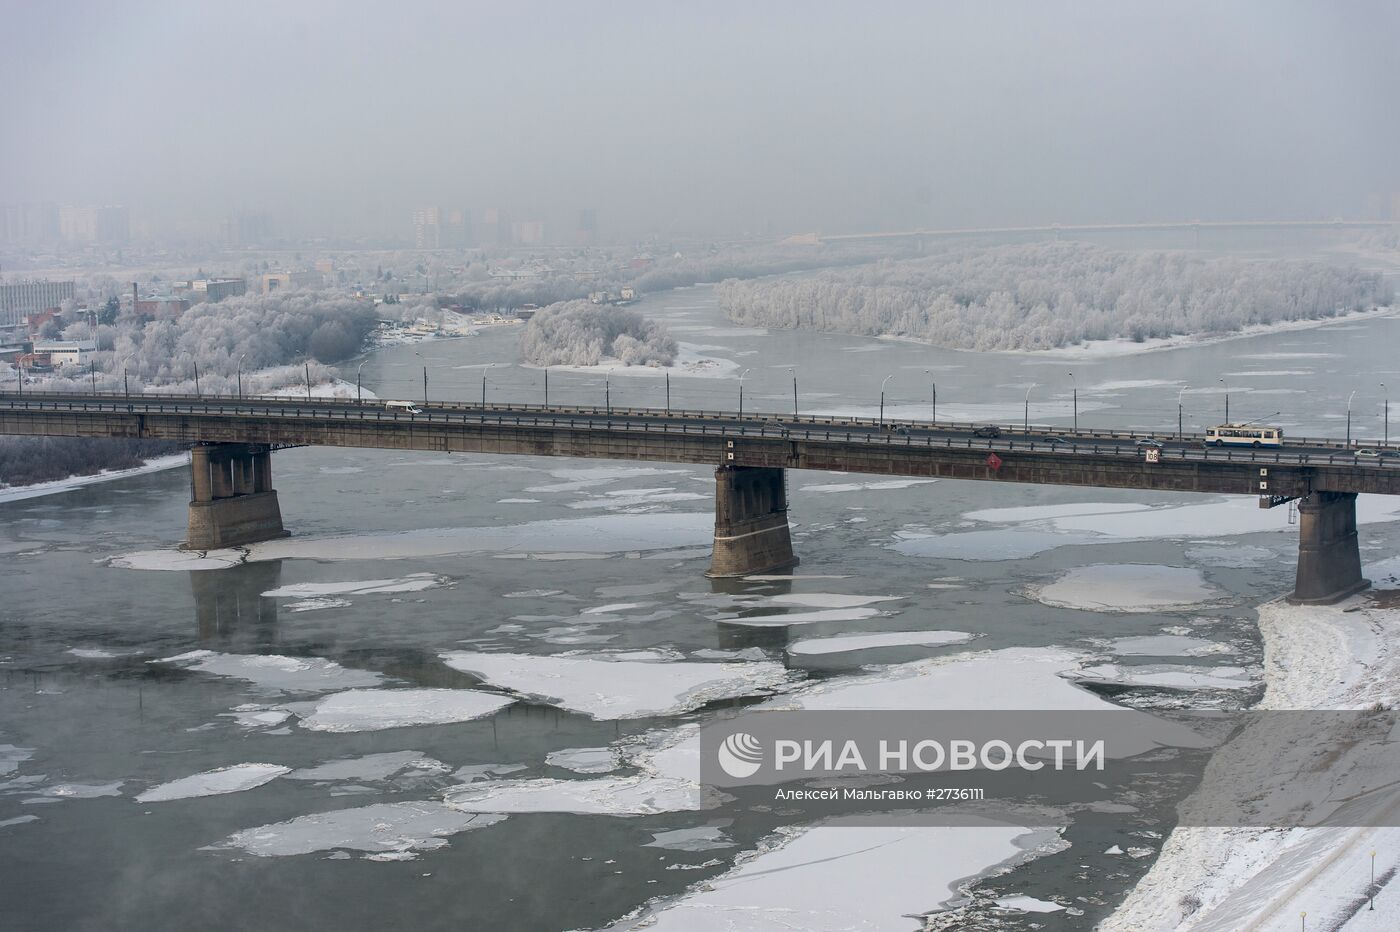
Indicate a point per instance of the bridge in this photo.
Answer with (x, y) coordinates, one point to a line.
(233, 502)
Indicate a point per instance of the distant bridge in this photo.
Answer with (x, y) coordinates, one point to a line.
(232, 501)
(1057, 228)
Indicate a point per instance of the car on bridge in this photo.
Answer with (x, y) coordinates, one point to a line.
(1150, 442)
(409, 407)
(989, 430)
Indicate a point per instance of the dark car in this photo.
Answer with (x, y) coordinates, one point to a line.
(1150, 442)
(1053, 441)
(991, 430)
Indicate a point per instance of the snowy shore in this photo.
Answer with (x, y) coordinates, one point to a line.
(1315, 657)
(14, 493)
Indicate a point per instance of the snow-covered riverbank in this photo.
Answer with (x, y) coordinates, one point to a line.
(54, 486)
(1315, 657)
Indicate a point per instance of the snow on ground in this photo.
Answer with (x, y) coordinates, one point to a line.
(1126, 587)
(388, 831)
(14, 493)
(599, 536)
(849, 642)
(275, 672)
(336, 388)
(1106, 349)
(234, 779)
(413, 582)
(804, 878)
(369, 768)
(1218, 879)
(376, 709)
(692, 360)
(603, 687)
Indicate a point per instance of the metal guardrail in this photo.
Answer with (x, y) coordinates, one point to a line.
(867, 432)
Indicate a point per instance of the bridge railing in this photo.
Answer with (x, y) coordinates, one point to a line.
(811, 429)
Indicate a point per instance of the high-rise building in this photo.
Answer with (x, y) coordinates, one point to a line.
(25, 224)
(427, 227)
(495, 227)
(253, 229)
(105, 225)
(528, 232)
(20, 298)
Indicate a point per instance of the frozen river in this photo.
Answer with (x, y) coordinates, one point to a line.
(369, 725)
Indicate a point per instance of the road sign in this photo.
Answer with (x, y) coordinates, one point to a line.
(994, 461)
(1154, 455)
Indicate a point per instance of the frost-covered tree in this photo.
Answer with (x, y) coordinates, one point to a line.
(577, 333)
(1045, 295)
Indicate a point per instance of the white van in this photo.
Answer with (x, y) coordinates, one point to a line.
(406, 406)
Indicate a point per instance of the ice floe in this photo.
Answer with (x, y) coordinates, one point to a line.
(18, 820)
(81, 790)
(368, 768)
(584, 760)
(1166, 645)
(850, 642)
(831, 599)
(848, 875)
(400, 829)
(233, 779)
(604, 687)
(1241, 556)
(872, 485)
(377, 709)
(668, 781)
(1170, 676)
(592, 537)
(779, 620)
(276, 672)
(98, 653)
(1126, 587)
(1027, 904)
(701, 838)
(314, 605)
(413, 582)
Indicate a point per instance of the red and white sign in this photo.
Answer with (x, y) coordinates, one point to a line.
(994, 461)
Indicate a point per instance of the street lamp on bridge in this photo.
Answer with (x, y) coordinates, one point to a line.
(741, 391)
(359, 396)
(882, 398)
(1075, 388)
(1227, 401)
(607, 389)
(1026, 420)
(1178, 410)
(793, 370)
(1386, 413)
(1349, 398)
(932, 397)
(240, 376)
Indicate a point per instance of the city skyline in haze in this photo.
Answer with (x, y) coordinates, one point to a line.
(715, 119)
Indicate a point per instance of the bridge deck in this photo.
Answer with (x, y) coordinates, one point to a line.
(896, 448)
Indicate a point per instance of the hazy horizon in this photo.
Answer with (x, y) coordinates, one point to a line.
(715, 118)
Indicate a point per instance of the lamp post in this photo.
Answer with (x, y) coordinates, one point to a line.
(1026, 421)
(1386, 413)
(1373, 882)
(126, 386)
(196, 383)
(1349, 398)
(607, 390)
(1075, 383)
(882, 399)
(1227, 401)
(92, 371)
(1178, 411)
(932, 397)
(240, 377)
(793, 370)
(741, 392)
(546, 386)
(668, 393)
(359, 396)
(306, 365)
(425, 380)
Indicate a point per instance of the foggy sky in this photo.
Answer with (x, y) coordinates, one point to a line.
(703, 116)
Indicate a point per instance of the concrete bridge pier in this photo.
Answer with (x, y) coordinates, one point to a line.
(1329, 561)
(751, 525)
(232, 501)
